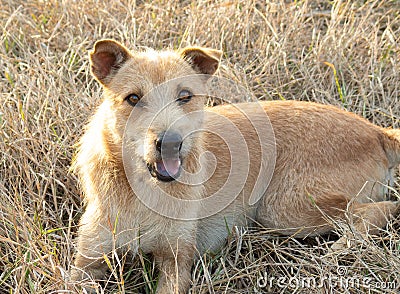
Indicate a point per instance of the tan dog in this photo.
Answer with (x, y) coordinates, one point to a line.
(328, 163)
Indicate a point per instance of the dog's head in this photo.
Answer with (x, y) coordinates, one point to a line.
(156, 101)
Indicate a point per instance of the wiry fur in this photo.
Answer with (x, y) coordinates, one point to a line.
(328, 162)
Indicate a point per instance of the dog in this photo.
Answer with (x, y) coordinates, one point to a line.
(153, 182)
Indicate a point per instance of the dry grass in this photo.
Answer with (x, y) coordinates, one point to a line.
(277, 50)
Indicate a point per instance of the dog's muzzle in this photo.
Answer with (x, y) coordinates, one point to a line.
(168, 168)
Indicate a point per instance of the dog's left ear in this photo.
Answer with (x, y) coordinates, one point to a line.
(203, 60)
(106, 59)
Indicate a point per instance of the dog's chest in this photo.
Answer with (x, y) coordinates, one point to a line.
(150, 231)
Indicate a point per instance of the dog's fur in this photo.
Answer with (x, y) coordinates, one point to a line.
(328, 163)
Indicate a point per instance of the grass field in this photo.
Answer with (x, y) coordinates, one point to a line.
(334, 52)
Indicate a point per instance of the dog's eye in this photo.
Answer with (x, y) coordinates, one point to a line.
(132, 99)
(184, 96)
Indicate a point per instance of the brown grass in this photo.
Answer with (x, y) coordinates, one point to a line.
(341, 53)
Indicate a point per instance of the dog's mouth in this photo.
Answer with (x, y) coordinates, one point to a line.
(166, 169)
(168, 164)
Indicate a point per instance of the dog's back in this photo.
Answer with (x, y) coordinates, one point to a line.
(327, 162)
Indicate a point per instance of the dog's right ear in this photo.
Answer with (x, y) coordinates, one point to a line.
(106, 58)
(203, 60)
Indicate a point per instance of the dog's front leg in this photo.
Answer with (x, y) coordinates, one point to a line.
(175, 267)
(94, 242)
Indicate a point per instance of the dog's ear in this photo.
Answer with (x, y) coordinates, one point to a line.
(106, 58)
(203, 60)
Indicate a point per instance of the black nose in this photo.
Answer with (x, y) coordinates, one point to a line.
(169, 143)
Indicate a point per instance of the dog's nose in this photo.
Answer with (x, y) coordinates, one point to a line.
(169, 143)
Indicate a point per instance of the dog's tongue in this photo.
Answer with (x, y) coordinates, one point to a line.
(168, 167)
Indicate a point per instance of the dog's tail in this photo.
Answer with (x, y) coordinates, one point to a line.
(391, 144)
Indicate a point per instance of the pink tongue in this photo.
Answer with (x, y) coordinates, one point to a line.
(168, 167)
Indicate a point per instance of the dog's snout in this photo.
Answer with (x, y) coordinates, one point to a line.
(169, 143)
